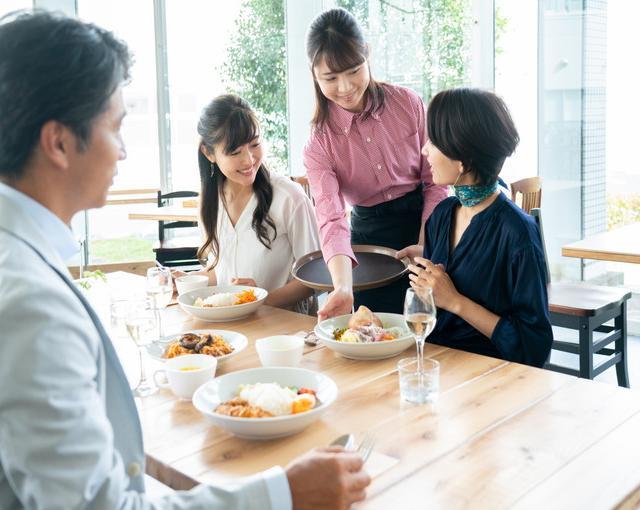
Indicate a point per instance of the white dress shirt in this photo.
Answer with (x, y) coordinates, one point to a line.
(242, 255)
(69, 431)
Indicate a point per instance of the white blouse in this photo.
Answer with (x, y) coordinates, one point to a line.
(242, 255)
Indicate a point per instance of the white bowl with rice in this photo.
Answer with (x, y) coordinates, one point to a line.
(225, 387)
(218, 303)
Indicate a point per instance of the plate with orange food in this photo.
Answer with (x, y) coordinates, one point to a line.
(266, 402)
(215, 342)
(222, 303)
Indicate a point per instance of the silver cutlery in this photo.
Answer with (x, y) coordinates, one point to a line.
(366, 446)
(345, 440)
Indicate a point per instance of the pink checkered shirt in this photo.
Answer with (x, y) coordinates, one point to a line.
(366, 163)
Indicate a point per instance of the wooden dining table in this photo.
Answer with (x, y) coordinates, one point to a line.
(501, 434)
(618, 245)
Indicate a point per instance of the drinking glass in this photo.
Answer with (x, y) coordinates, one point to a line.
(159, 292)
(419, 387)
(420, 316)
(141, 322)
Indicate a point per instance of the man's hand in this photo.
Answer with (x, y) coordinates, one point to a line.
(339, 302)
(327, 478)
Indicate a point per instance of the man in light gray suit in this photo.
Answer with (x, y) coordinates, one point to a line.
(69, 430)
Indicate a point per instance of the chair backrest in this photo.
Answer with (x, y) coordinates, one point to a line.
(531, 191)
(537, 215)
(164, 200)
(304, 182)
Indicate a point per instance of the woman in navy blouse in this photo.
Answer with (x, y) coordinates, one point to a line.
(482, 256)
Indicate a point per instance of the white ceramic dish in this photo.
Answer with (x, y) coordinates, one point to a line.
(365, 351)
(223, 388)
(238, 341)
(191, 282)
(221, 313)
(280, 350)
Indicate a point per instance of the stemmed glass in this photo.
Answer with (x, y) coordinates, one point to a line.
(420, 316)
(159, 291)
(140, 322)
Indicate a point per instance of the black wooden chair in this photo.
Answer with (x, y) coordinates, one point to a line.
(587, 309)
(176, 251)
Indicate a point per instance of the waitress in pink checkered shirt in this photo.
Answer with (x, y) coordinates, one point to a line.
(364, 149)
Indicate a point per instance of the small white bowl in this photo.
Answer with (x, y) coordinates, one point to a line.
(280, 350)
(185, 374)
(191, 282)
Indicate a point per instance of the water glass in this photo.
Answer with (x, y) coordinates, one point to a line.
(419, 387)
(140, 322)
(159, 291)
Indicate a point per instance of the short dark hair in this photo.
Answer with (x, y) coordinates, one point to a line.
(336, 36)
(474, 127)
(53, 67)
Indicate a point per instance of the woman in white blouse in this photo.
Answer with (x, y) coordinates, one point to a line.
(256, 224)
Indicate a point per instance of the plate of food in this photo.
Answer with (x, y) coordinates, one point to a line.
(214, 342)
(222, 302)
(365, 335)
(267, 402)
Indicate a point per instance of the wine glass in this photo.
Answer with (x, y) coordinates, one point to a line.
(140, 322)
(420, 316)
(159, 291)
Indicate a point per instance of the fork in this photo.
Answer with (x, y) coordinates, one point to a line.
(366, 446)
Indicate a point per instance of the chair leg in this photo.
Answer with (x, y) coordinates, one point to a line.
(621, 347)
(586, 348)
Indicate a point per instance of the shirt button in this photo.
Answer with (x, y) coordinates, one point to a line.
(134, 469)
(379, 167)
(388, 195)
(368, 140)
(346, 129)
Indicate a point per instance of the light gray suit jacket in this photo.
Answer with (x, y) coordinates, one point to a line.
(70, 436)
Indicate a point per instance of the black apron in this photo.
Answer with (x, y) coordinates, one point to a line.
(395, 224)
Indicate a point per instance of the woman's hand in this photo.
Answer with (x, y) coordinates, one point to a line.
(434, 276)
(176, 274)
(244, 281)
(413, 251)
(339, 302)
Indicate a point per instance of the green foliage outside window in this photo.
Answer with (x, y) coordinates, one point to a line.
(256, 67)
(437, 31)
(622, 210)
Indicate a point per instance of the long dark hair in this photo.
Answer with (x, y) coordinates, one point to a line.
(336, 36)
(474, 127)
(230, 120)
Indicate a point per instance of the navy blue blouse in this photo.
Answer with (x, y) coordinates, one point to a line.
(498, 263)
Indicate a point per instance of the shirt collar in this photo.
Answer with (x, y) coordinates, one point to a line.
(343, 119)
(53, 228)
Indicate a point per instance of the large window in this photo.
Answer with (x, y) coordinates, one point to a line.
(243, 53)
(111, 235)
(8, 6)
(424, 45)
(516, 80)
(182, 61)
